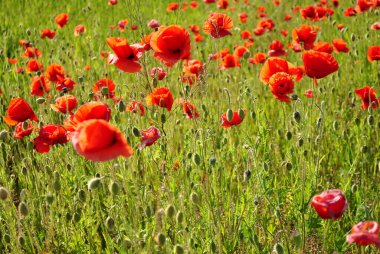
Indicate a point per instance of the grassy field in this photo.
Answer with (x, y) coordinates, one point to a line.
(200, 188)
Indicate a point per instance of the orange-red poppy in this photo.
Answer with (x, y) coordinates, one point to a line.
(309, 93)
(368, 96)
(323, 47)
(79, 30)
(19, 70)
(31, 52)
(266, 24)
(149, 136)
(241, 51)
(281, 84)
(222, 4)
(90, 110)
(19, 111)
(33, 66)
(66, 85)
(217, 25)
(259, 58)
(161, 97)
(193, 4)
(276, 49)
(340, 45)
(375, 26)
(245, 35)
(194, 66)
(135, 107)
(47, 33)
(55, 73)
(40, 86)
(50, 135)
(104, 82)
(172, 7)
(153, 23)
(273, 65)
(319, 64)
(373, 53)
(243, 17)
(12, 61)
(97, 140)
(65, 104)
(236, 120)
(365, 233)
(22, 131)
(24, 43)
(340, 26)
(170, 44)
(62, 19)
(229, 61)
(122, 24)
(306, 35)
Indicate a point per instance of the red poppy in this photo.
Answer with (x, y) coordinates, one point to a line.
(64, 104)
(19, 111)
(364, 233)
(31, 52)
(172, 7)
(266, 24)
(281, 84)
(288, 17)
(217, 25)
(229, 61)
(55, 73)
(258, 58)
(259, 31)
(12, 61)
(90, 110)
(350, 12)
(67, 84)
(122, 24)
(194, 66)
(245, 35)
(368, 96)
(24, 43)
(136, 106)
(240, 51)
(189, 109)
(375, 26)
(243, 17)
(340, 45)
(323, 47)
(236, 120)
(309, 93)
(193, 4)
(62, 19)
(222, 4)
(112, 2)
(161, 97)
(40, 86)
(126, 56)
(330, 204)
(276, 49)
(19, 70)
(340, 26)
(170, 44)
(305, 35)
(104, 82)
(373, 53)
(319, 64)
(149, 136)
(79, 30)
(273, 65)
(97, 140)
(158, 73)
(363, 5)
(47, 33)
(184, 6)
(284, 32)
(316, 13)
(134, 27)
(153, 24)
(22, 131)
(50, 135)
(34, 66)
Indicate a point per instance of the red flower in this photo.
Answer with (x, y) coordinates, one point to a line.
(149, 136)
(172, 7)
(62, 19)
(330, 204)
(55, 73)
(375, 26)
(136, 106)
(12, 61)
(49, 135)
(189, 109)
(364, 233)
(305, 35)
(373, 53)
(19, 111)
(21, 132)
(243, 17)
(236, 120)
(79, 30)
(273, 65)
(161, 97)
(194, 66)
(319, 64)
(47, 33)
(340, 45)
(229, 61)
(40, 86)
(65, 104)
(368, 96)
(66, 84)
(34, 66)
(104, 82)
(309, 93)
(32, 53)
(259, 58)
(281, 84)
(153, 24)
(323, 47)
(276, 49)
(158, 73)
(217, 25)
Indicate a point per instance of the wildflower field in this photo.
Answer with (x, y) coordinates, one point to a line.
(207, 126)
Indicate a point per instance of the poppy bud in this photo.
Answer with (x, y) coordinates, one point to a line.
(28, 32)
(178, 249)
(25, 125)
(114, 188)
(247, 175)
(148, 212)
(179, 217)
(163, 118)
(170, 211)
(304, 152)
(3, 193)
(136, 132)
(121, 106)
(40, 100)
(7, 238)
(230, 114)
(82, 195)
(155, 82)
(197, 159)
(297, 116)
(370, 120)
(288, 165)
(194, 198)
(76, 217)
(300, 142)
(56, 184)
(289, 135)
(335, 125)
(278, 249)
(110, 223)
(68, 216)
(319, 122)
(353, 37)
(49, 198)
(93, 183)
(364, 149)
(357, 121)
(241, 113)
(213, 247)
(246, 55)
(23, 209)
(127, 243)
(212, 161)
(21, 240)
(3, 134)
(105, 90)
(294, 97)
(160, 239)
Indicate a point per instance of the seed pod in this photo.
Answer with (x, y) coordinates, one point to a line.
(3, 193)
(136, 132)
(23, 209)
(110, 223)
(93, 183)
(278, 249)
(160, 239)
(179, 217)
(297, 116)
(194, 198)
(163, 118)
(213, 247)
(49, 198)
(229, 114)
(197, 159)
(170, 211)
(114, 188)
(40, 100)
(3, 134)
(82, 195)
(178, 249)
(241, 113)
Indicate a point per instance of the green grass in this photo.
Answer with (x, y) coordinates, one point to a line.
(234, 213)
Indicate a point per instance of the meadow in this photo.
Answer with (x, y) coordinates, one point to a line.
(200, 187)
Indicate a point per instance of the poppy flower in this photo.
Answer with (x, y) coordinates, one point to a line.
(189, 109)
(136, 106)
(319, 64)
(323, 47)
(19, 111)
(134, 27)
(363, 5)
(373, 53)
(122, 24)
(306, 35)
(79, 30)
(259, 58)
(172, 7)
(55, 73)
(309, 93)
(365, 233)
(24, 43)
(281, 84)
(126, 56)
(19, 70)
(350, 12)
(259, 31)
(153, 24)
(104, 82)
(229, 61)
(22, 130)
(340, 26)
(243, 17)
(375, 26)
(158, 73)
(112, 2)
(340, 45)
(273, 65)
(276, 49)
(40, 86)
(241, 51)
(62, 19)
(12, 61)
(266, 24)
(161, 97)
(47, 33)
(217, 25)
(222, 4)
(284, 32)
(193, 4)
(31, 52)
(90, 110)
(245, 35)
(288, 17)
(170, 44)
(184, 6)
(97, 140)
(34, 66)
(65, 104)
(50, 135)
(67, 84)
(149, 136)
(194, 66)
(368, 96)
(330, 204)
(236, 120)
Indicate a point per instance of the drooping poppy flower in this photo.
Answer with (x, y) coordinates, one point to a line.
(281, 84)
(126, 56)
(153, 24)
(276, 49)
(79, 30)
(31, 52)
(40, 86)
(236, 120)
(365, 233)
(217, 25)
(90, 110)
(271, 66)
(136, 107)
(161, 97)
(62, 19)
(12, 61)
(172, 7)
(259, 58)
(170, 44)
(229, 61)
(373, 53)
(65, 104)
(330, 204)
(368, 96)
(104, 83)
(323, 47)
(340, 45)
(33, 66)
(66, 85)
(55, 73)
(19, 111)
(47, 33)
(319, 64)
(50, 135)
(22, 130)
(149, 136)
(158, 73)
(97, 140)
(306, 35)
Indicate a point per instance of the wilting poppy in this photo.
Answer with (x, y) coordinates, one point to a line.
(323, 47)
(90, 110)
(305, 35)
(98, 140)
(373, 53)
(34, 66)
(19, 111)
(126, 56)
(158, 72)
(161, 97)
(149, 136)
(330, 204)
(49, 135)
(79, 30)
(55, 73)
(67, 84)
(340, 45)
(236, 120)
(62, 19)
(217, 25)
(104, 83)
(364, 233)
(47, 33)
(64, 104)
(170, 44)
(368, 96)
(319, 64)
(281, 84)
(136, 106)
(40, 86)
(22, 130)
